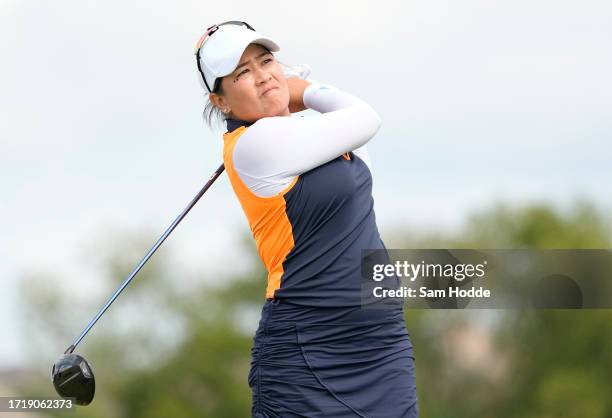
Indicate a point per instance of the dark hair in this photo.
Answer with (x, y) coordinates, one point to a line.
(212, 115)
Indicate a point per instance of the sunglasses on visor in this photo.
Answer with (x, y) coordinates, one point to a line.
(209, 32)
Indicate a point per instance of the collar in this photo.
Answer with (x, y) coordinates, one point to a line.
(233, 124)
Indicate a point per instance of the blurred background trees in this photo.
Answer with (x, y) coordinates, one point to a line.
(169, 350)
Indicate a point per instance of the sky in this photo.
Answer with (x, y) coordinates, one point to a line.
(102, 135)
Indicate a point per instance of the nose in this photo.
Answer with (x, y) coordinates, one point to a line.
(261, 75)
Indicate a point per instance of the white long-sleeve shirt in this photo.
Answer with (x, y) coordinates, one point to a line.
(274, 150)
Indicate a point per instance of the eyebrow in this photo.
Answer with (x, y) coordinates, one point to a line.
(257, 57)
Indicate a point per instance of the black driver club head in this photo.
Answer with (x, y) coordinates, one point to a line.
(73, 378)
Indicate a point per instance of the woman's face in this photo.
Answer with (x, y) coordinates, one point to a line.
(256, 89)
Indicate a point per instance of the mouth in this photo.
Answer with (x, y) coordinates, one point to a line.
(268, 90)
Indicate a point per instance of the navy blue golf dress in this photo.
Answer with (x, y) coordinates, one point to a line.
(305, 186)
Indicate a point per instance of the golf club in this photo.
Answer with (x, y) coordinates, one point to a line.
(72, 375)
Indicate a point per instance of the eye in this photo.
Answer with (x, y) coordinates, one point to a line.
(246, 70)
(267, 60)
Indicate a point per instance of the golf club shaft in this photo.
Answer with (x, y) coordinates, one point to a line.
(159, 242)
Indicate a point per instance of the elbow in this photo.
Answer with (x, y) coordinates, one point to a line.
(377, 121)
(372, 123)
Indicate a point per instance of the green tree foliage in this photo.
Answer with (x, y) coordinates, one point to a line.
(532, 363)
(186, 353)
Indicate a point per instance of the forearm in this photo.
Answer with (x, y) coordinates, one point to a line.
(291, 146)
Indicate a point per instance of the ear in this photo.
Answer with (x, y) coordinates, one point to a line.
(218, 100)
(220, 103)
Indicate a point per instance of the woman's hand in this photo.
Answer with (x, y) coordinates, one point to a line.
(296, 93)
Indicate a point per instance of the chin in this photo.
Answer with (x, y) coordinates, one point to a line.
(279, 110)
(284, 107)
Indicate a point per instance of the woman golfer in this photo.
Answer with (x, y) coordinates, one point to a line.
(305, 186)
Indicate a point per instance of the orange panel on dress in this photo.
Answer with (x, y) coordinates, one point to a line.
(267, 217)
